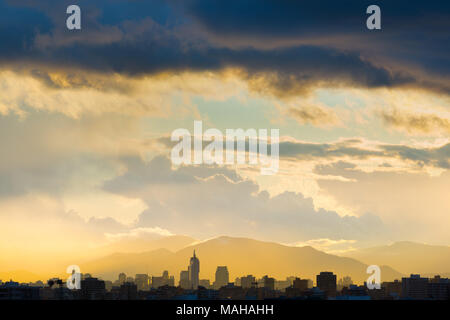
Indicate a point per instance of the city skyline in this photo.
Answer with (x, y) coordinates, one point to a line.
(145, 287)
(99, 96)
(398, 260)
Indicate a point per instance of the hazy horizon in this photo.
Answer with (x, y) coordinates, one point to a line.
(87, 117)
(402, 258)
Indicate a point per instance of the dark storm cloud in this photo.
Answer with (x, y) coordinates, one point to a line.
(412, 30)
(145, 37)
(298, 18)
(18, 27)
(291, 69)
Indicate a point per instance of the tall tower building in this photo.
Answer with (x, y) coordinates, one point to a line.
(414, 287)
(269, 282)
(122, 278)
(222, 277)
(248, 282)
(194, 270)
(326, 281)
(142, 281)
(184, 279)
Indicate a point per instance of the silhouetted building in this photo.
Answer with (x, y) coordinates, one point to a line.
(231, 292)
(297, 289)
(315, 294)
(165, 280)
(142, 281)
(128, 291)
(438, 288)
(344, 282)
(92, 289)
(57, 293)
(122, 278)
(222, 277)
(108, 285)
(194, 271)
(281, 285)
(379, 294)
(414, 287)
(168, 292)
(393, 289)
(205, 283)
(354, 292)
(248, 282)
(269, 283)
(301, 284)
(184, 280)
(14, 291)
(204, 293)
(326, 281)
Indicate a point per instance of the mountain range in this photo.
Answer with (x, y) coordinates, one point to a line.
(245, 256)
(242, 256)
(407, 257)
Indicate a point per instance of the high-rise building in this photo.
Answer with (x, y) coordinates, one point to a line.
(393, 289)
(248, 282)
(326, 281)
(184, 279)
(122, 278)
(414, 287)
(194, 271)
(301, 284)
(11, 290)
(128, 291)
(354, 292)
(108, 285)
(165, 280)
(222, 277)
(438, 288)
(281, 285)
(204, 283)
(344, 282)
(298, 288)
(142, 281)
(93, 289)
(269, 283)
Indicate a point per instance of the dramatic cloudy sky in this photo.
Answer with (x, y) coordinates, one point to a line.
(85, 116)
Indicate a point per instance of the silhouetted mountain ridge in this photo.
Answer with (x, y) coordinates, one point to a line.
(143, 244)
(242, 256)
(407, 257)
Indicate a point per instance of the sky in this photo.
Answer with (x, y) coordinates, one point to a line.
(86, 117)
